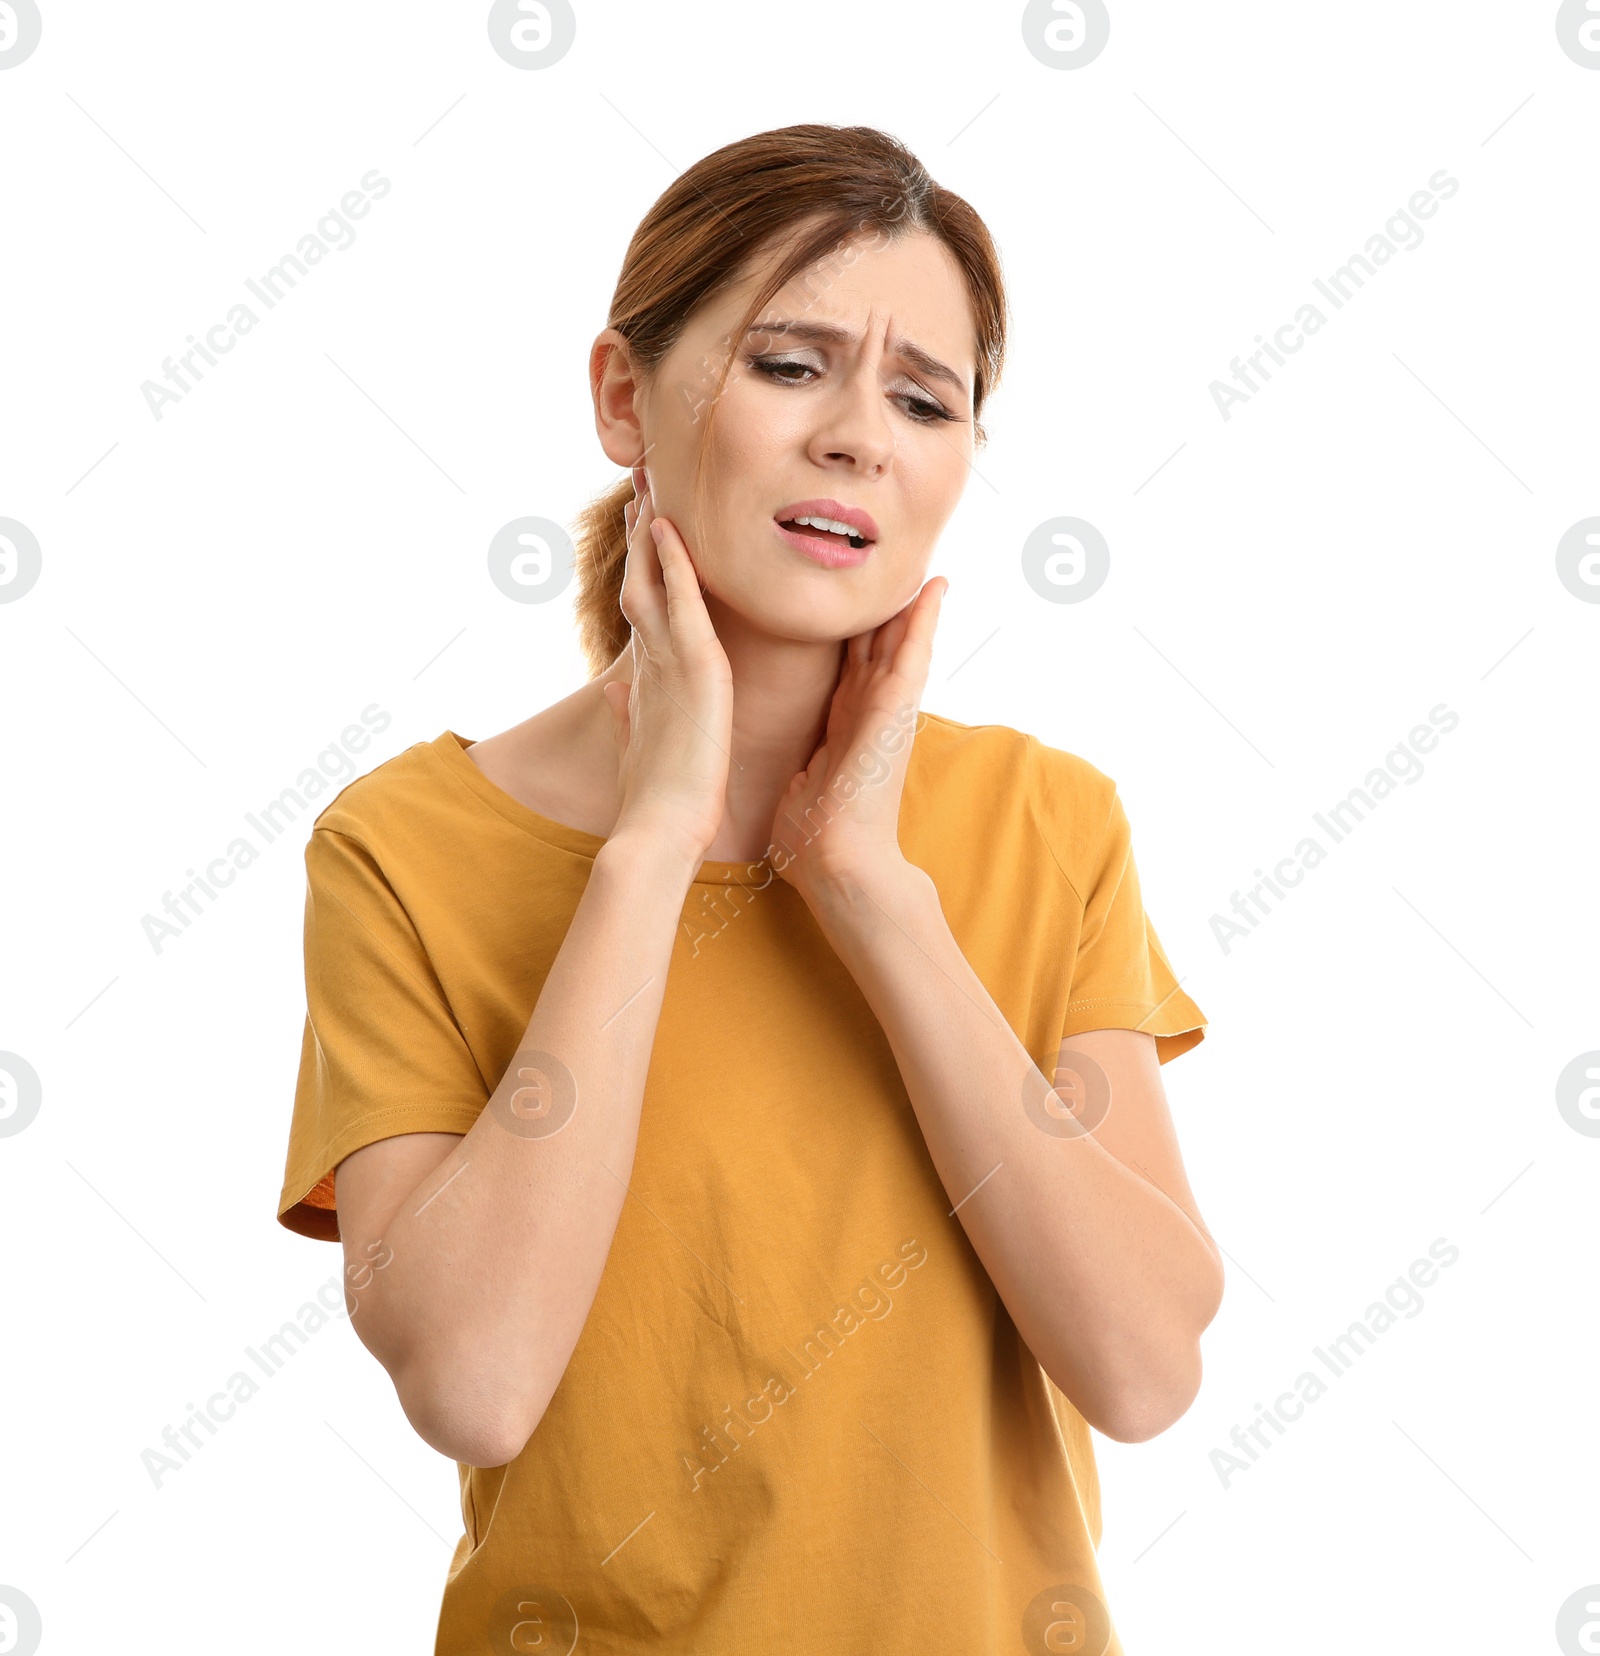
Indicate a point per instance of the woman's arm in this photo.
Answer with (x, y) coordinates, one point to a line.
(470, 1283)
(472, 1286)
(1108, 1272)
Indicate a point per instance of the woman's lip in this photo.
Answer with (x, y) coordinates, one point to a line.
(834, 554)
(858, 520)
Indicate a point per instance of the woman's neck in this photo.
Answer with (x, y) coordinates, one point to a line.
(782, 690)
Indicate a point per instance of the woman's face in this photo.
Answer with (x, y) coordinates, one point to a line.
(860, 416)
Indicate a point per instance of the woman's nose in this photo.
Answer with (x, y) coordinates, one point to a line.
(854, 424)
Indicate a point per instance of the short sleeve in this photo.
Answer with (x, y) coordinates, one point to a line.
(381, 1052)
(1121, 978)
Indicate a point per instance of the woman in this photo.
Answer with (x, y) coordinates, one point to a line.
(682, 1057)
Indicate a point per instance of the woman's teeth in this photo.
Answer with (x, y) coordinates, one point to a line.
(829, 526)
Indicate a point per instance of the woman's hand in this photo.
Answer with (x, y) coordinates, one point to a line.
(674, 721)
(837, 826)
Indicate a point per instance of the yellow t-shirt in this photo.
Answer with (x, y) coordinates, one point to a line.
(798, 1417)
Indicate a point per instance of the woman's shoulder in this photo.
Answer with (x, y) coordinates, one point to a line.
(1000, 753)
(404, 788)
(1050, 807)
(429, 799)
(554, 765)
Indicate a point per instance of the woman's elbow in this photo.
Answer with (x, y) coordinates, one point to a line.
(1138, 1411)
(463, 1424)
(1151, 1412)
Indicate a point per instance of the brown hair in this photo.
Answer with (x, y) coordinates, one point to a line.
(706, 230)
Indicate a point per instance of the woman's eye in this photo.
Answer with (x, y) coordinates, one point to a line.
(920, 409)
(775, 369)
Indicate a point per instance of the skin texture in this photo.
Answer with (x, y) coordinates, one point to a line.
(719, 733)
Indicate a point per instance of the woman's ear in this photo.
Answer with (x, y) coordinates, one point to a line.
(617, 387)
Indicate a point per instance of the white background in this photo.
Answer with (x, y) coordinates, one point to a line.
(1292, 589)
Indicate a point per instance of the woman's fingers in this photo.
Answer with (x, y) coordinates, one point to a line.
(895, 669)
(686, 609)
(643, 597)
(915, 622)
(911, 652)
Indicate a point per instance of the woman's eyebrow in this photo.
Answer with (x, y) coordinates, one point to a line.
(826, 333)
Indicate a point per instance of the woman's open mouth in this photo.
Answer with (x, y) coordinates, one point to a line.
(828, 533)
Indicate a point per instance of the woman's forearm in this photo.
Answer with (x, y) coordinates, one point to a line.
(1108, 1281)
(490, 1265)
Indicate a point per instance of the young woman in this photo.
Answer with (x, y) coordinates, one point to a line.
(736, 1092)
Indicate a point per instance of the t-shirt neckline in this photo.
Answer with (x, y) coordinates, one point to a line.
(452, 750)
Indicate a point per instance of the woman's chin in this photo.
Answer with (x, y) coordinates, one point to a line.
(776, 607)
